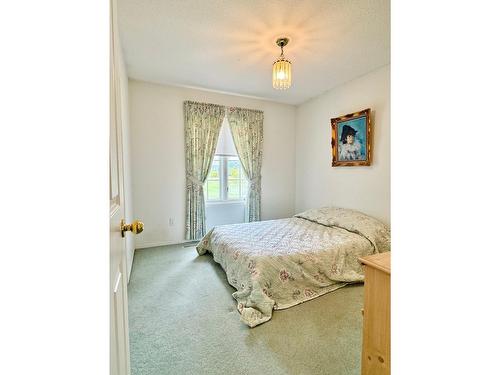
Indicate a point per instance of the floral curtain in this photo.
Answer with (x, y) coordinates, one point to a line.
(247, 128)
(202, 123)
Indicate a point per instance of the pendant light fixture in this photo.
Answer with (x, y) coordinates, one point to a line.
(282, 68)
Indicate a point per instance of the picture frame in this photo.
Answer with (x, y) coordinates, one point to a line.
(351, 139)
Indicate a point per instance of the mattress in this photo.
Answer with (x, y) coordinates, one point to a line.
(277, 264)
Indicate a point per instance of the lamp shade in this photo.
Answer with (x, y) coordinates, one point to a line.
(282, 74)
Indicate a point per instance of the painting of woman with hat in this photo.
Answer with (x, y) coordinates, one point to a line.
(350, 147)
(351, 139)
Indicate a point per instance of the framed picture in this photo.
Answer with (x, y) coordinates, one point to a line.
(351, 139)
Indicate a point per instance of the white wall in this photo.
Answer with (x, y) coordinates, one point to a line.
(127, 167)
(224, 213)
(363, 188)
(157, 149)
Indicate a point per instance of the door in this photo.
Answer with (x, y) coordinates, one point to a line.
(119, 345)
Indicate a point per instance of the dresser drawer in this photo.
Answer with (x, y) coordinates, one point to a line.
(376, 356)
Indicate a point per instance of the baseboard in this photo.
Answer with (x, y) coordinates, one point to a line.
(129, 271)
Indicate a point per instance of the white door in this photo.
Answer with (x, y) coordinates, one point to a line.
(119, 345)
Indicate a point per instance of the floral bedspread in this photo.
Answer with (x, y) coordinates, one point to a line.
(276, 264)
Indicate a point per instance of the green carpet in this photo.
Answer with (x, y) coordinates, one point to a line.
(183, 320)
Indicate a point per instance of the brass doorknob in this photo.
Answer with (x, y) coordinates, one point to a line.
(136, 227)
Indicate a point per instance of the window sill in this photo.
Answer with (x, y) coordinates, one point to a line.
(216, 203)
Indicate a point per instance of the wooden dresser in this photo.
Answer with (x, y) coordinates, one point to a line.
(376, 357)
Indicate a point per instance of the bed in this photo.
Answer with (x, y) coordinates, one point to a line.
(277, 264)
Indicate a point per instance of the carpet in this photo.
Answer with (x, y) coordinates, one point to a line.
(190, 325)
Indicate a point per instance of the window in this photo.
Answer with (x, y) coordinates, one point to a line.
(213, 184)
(226, 180)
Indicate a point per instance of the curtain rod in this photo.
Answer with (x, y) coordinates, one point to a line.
(245, 109)
(226, 107)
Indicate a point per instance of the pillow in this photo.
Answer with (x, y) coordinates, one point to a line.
(353, 221)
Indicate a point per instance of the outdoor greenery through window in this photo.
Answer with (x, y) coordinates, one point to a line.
(226, 180)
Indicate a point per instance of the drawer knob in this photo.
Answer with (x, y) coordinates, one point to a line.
(381, 360)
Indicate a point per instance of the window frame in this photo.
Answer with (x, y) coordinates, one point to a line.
(205, 185)
(223, 182)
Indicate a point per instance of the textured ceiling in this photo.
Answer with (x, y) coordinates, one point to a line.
(229, 45)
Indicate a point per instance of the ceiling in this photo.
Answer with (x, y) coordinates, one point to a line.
(229, 45)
